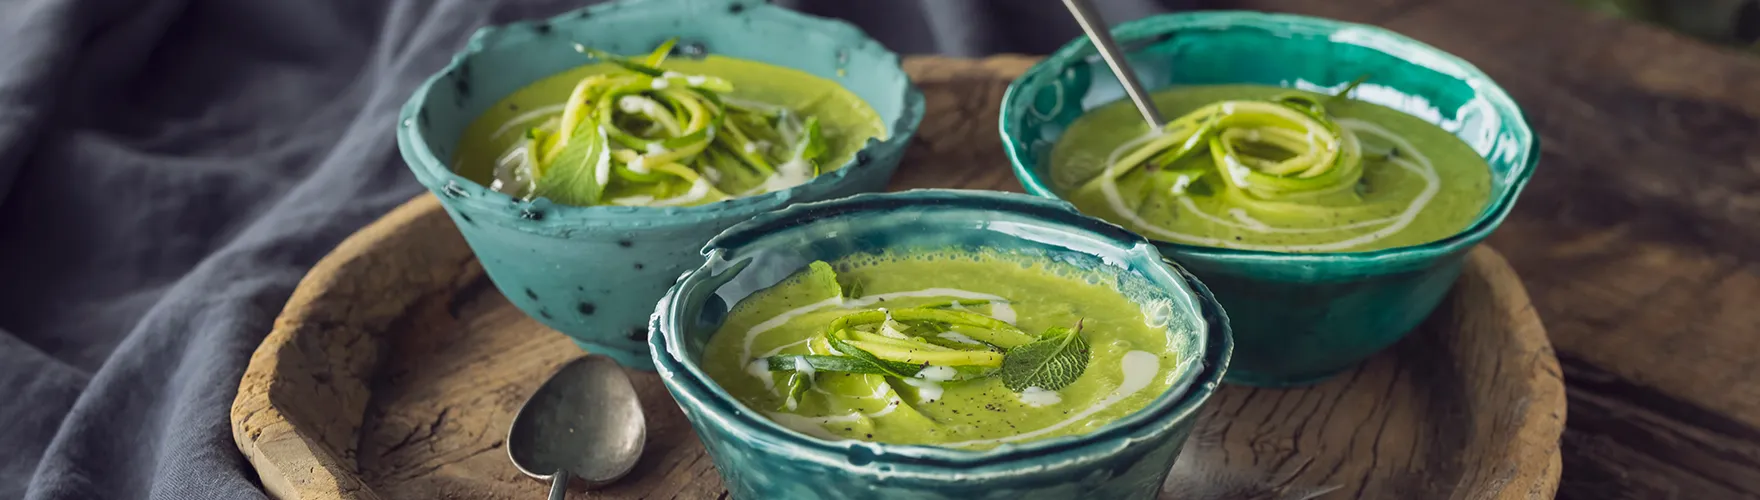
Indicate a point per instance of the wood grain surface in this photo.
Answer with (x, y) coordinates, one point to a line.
(396, 368)
(1639, 236)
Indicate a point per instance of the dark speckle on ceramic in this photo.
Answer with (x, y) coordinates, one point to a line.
(542, 27)
(639, 333)
(757, 458)
(462, 86)
(545, 313)
(736, 8)
(1299, 318)
(585, 308)
(558, 250)
(531, 294)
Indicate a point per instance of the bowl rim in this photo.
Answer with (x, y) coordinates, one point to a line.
(1176, 406)
(438, 177)
(1388, 41)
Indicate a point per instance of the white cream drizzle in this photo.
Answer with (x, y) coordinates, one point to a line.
(1139, 369)
(789, 174)
(1180, 184)
(530, 116)
(602, 169)
(639, 104)
(928, 391)
(890, 329)
(1236, 171)
(1248, 220)
(1037, 397)
(813, 426)
(513, 172)
(958, 337)
(891, 406)
(762, 372)
(937, 373)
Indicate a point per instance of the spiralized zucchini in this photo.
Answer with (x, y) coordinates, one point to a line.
(1278, 155)
(645, 136)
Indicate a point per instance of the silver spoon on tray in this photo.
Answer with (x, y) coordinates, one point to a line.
(583, 425)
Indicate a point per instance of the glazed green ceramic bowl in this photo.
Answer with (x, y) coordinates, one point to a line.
(759, 459)
(594, 273)
(1297, 318)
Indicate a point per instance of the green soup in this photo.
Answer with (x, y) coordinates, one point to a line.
(1418, 183)
(845, 124)
(1129, 360)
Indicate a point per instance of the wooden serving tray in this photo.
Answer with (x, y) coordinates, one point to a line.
(396, 367)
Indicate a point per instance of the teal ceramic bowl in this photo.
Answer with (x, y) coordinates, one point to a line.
(1297, 318)
(594, 273)
(757, 458)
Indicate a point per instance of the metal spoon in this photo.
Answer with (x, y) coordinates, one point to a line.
(1102, 38)
(584, 423)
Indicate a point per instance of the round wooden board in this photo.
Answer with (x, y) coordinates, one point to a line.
(396, 367)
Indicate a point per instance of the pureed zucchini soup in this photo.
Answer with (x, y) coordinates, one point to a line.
(949, 348)
(660, 131)
(1273, 169)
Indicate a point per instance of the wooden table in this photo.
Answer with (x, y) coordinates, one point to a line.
(1639, 238)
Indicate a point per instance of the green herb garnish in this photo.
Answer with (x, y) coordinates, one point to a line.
(823, 280)
(1274, 155)
(901, 343)
(641, 135)
(1057, 359)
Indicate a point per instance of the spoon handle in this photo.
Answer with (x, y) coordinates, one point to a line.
(1102, 38)
(559, 485)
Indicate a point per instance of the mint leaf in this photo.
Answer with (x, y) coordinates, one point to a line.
(822, 280)
(1056, 360)
(580, 171)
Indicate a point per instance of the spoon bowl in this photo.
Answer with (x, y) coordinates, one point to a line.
(583, 425)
